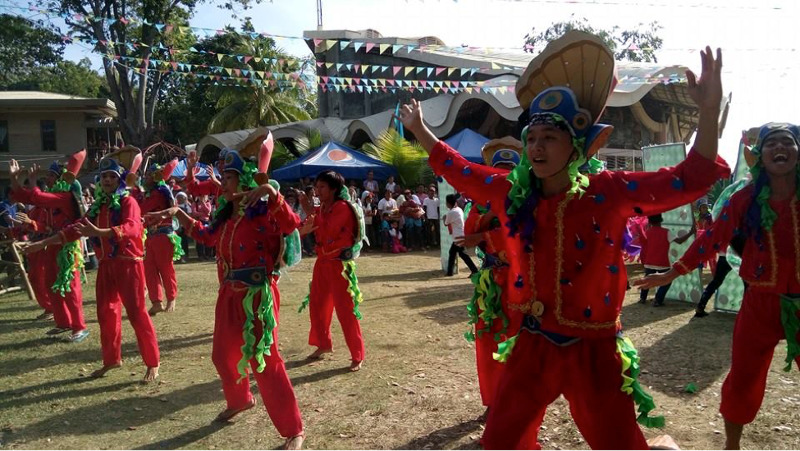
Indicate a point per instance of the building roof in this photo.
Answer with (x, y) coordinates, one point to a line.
(35, 101)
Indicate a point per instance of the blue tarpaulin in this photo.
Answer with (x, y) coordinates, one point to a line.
(180, 171)
(469, 144)
(352, 164)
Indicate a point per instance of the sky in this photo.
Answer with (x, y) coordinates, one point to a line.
(760, 40)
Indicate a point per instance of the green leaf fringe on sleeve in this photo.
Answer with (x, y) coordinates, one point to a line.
(349, 274)
(69, 259)
(630, 384)
(266, 315)
(790, 318)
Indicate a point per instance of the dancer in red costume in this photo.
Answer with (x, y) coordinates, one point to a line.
(248, 234)
(115, 224)
(765, 214)
(33, 227)
(61, 205)
(334, 284)
(486, 309)
(568, 276)
(162, 246)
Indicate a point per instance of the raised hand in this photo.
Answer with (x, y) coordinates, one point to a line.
(22, 218)
(307, 226)
(254, 195)
(411, 116)
(706, 91)
(157, 216)
(86, 228)
(13, 168)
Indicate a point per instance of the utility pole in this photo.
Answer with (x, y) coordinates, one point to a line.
(319, 15)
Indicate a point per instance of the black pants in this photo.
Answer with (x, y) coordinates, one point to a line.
(451, 261)
(661, 293)
(723, 268)
(431, 232)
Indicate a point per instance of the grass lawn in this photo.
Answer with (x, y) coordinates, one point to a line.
(418, 387)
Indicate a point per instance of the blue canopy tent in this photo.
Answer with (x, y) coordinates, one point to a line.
(180, 171)
(469, 144)
(352, 164)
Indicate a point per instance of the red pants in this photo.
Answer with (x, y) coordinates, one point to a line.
(757, 331)
(36, 276)
(489, 369)
(587, 373)
(67, 309)
(329, 291)
(121, 282)
(159, 268)
(273, 383)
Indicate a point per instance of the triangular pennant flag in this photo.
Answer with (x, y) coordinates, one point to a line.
(247, 59)
(420, 69)
(395, 70)
(329, 43)
(320, 63)
(445, 90)
(502, 89)
(325, 79)
(357, 45)
(430, 71)
(408, 70)
(219, 57)
(349, 66)
(343, 44)
(439, 70)
(495, 66)
(357, 67)
(424, 83)
(357, 81)
(411, 47)
(437, 89)
(384, 68)
(396, 48)
(383, 47)
(329, 65)
(464, 70)
(370, 45)
(339, 66)
(450, 71)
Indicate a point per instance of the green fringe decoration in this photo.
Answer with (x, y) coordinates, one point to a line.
(631, 386)
(101, 198)
(486, 305)
(251, 349)
(293, 250)
(177, 249)
(349, 274)
(504, 349)
(790, 307)
(69, 259)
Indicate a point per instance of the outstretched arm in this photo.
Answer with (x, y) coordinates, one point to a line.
(706, 92)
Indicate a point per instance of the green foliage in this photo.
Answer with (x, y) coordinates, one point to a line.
(65, 77)
(717, 189)
(637, 45)
(312, 140)
(410, 159)
(25, 46)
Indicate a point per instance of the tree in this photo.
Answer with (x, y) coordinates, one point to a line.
(26, 45)
(638, 45)
(410, 159)
(266, 102)
(65, 77)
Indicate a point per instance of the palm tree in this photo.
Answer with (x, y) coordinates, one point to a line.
(260, 104)
(410, 159)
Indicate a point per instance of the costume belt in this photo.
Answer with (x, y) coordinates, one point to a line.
(491, 261)
(253, 276)
(163, 230)
(532, 325)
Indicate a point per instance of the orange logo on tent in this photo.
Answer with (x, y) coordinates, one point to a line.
(339, 155)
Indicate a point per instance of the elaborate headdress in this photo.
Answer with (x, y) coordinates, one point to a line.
(566, 86)
(503, 150)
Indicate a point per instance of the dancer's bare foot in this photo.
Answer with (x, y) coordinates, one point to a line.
(355, 365)
(662, 442)
(295, 442)
(151, 374)
(319, 353)
(228, 414)
(156, 308)
(170, 306)
(105, 369)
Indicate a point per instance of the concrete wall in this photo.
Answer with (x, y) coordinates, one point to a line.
(25, 137)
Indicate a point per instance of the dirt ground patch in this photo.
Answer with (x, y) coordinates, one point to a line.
(418, 387)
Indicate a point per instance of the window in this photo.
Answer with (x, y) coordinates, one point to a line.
(3, 136)
(48, 129)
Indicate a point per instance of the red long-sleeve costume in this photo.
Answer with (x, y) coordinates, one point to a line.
(57, 211)
(158, 249)
(250, 242)
(571, 279)
(770, 268)
(120, 281)
(335, 232)
(36, 230)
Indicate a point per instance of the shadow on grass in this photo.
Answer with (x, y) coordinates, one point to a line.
(447, 316)
(185, 439)
(117, 415)
(320, 376)
(21, 365)
(697, 352)
(638, 315)
(431, 296)
(445, 437)
(50, 398)
(32, 307)
(395, 276)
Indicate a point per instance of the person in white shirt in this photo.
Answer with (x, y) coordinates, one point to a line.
(454, 220)
(390, 185)
(431, 205)
(387, 204)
